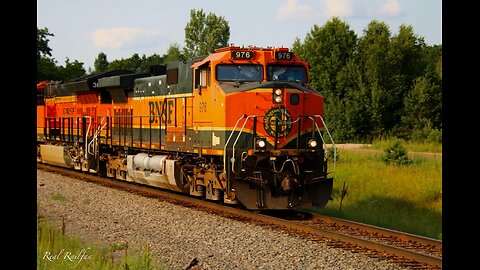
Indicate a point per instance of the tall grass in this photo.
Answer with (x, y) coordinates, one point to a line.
(58, 251)
(411, 146)
(406, 198)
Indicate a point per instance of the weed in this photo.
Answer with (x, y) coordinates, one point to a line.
(59, 197)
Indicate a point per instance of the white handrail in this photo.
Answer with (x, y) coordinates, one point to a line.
(86, 134)
(226, 143)
(235, 143)
(331, 138)
(96, 135)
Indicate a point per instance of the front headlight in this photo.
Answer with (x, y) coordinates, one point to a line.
(312, 143)
(261, 144)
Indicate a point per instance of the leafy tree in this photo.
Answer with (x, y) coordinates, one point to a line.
(47, 68)
(204, 34)
(71, 70)
(173, 53)
(328, 49)
(43, 50)
(424, 103)
(101, 63)
(147, 62)
(133, 63)
(375, 84)
(373, 57)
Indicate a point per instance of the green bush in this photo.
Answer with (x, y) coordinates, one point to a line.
(427, 134)
(396, 154)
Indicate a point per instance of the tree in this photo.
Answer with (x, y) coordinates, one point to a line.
(373, 48)
(327, 49)
(71, 70)
(43, 50)
(204, 34)
(101, 63)
(46, 66)
(376, 84)
(152, 60)
(134, 63)
(47, 70)
(173, 53)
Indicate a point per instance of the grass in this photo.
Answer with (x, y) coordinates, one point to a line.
(411, 146)
(58, 251)
(406, 198)
(59, 197)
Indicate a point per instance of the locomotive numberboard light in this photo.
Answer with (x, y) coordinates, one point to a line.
(244, 55)
(283, 55)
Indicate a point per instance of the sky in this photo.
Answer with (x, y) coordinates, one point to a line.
(119, 28)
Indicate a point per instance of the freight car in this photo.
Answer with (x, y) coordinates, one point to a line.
(240, 126)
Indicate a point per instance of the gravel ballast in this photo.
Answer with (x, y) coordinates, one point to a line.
(177, 235)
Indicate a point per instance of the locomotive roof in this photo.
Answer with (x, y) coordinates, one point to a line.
(89, 82)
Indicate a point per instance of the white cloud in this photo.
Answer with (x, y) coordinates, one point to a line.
(390, 8)
(121, 37)
(293, 10)
(339, 8)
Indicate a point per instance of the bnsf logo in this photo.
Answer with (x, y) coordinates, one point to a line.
(161, 109)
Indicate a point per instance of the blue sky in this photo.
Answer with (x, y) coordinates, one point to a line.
(120, 28)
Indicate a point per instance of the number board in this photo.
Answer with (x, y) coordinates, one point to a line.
(242, 54)
(284, 55)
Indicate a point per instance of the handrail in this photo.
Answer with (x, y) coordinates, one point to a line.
(226, 143)
(99, 129)
(246, 117)
(235, 143)
(86, 134)
(331, 138)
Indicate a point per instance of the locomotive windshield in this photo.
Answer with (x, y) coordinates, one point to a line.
(242, 73)
(288, 73)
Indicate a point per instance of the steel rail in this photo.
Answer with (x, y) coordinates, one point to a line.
(426, 241)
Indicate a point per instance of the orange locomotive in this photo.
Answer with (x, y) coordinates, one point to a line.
(241, 125)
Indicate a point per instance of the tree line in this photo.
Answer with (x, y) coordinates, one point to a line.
(377, 84)
(373, 85)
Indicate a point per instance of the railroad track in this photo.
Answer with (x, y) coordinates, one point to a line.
(412, 251)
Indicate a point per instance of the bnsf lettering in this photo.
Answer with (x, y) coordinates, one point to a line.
(159, 108)
(69, 111)
(87, 111)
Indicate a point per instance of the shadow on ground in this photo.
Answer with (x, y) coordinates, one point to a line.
(387, 212)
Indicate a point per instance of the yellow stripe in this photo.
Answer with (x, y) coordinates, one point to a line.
(266, 90)
(163, 96)
(212, 152)
(68, 99)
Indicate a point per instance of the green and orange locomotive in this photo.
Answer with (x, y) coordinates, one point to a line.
(240, 126)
